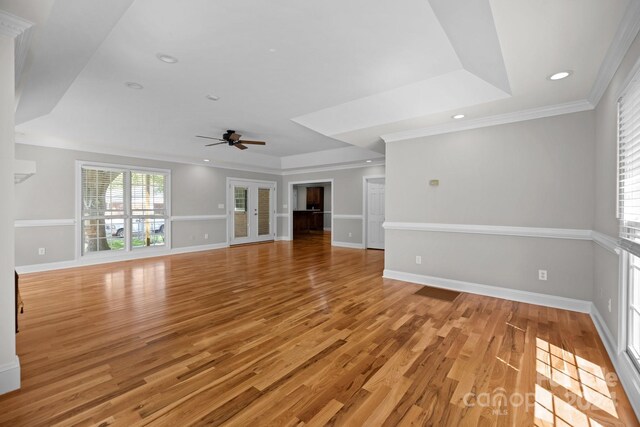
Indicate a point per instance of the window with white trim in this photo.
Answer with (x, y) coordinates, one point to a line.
(122, 209)
(629, 207)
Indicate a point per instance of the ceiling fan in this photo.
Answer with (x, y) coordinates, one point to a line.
(233, 139)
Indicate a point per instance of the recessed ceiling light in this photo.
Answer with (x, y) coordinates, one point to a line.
(272, 50)
(212, 97)
(458, 116)
(166, 58)
(369, 161)
(559, 76)
(206, 160)
(134, 85)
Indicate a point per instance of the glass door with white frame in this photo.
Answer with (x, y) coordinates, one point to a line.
(253, 211)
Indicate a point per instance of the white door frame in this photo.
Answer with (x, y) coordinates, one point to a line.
(290, 202)
(365, 213)
(230, 205)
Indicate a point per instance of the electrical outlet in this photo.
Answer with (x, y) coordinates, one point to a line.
(418, 259)
(42, 251)
(220, 205)
(206, 236)
(284, 206)
(542, 274)
(609, 305)
(350, 234)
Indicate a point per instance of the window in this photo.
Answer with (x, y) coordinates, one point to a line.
(122, 209)
(629, 207)
(633, 319)
(240, 195)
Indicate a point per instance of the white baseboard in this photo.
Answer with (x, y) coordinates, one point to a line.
(199, 248)
(10, 376)
(50, 266)
(493, 291)
(278, 238)
(348, 245)
(625, 369)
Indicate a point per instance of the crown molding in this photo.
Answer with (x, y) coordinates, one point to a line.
(331, 168)
(12, 25)
(499, 119)
(625, 35)
(176, 159)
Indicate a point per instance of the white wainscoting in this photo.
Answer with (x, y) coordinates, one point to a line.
(197, 217)
(21, 223)
(500, 230)
(340, 216)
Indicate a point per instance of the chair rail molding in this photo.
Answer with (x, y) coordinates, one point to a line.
(500, 230)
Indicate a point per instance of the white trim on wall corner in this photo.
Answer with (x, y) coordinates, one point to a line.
(626, 33)
(500, 230)
(625, 369)
(349, 245)
(499, 119)
(606, 241)
(12, 25)
(21, 223)
(554, 301)
(10, 376)
(340, 216)
(197, 217)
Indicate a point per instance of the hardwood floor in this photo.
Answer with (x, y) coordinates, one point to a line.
(296, 333)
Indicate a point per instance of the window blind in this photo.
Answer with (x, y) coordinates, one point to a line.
(629, 167)
(147, 194)
(102, 192)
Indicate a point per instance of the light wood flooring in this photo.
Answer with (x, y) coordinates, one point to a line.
(296, 333)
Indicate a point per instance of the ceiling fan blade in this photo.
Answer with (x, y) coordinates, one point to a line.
(253, 142)
(216, 143)
(235, 137)
(240, 146)
(209, 137)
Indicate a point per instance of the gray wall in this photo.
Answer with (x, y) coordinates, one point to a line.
(50, 194)
(347, 198)
(605, 221)
(537, 173)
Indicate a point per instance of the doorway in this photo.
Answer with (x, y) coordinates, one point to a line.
(310, 211)
(251, 216)
(374, 188)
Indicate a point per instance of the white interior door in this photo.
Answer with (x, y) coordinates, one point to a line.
(252, 212)
(375, 213)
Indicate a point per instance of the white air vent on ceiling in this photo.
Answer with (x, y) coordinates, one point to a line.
(23, 169)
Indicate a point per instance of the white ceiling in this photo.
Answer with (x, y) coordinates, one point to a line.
(319, 81)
